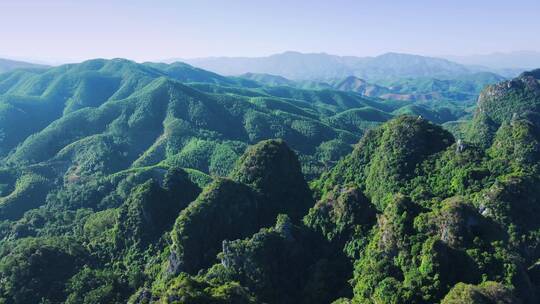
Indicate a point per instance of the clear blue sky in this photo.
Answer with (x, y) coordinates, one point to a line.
(151, 30)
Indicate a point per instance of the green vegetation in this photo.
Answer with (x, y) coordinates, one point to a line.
(154, 183)
(455, 93)
(463, 218)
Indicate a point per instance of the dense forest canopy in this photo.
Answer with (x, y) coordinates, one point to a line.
(164, 183)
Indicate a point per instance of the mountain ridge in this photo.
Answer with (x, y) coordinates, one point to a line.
(501, 60)
(323, 66)
(7, 65)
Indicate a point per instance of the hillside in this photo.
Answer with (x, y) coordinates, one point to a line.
(156, 183)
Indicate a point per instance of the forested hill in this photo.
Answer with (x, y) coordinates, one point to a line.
(154, 183)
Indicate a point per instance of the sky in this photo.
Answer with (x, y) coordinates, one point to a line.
(62, 30)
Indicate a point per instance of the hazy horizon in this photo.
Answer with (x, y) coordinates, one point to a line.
(64, 31)
(60, 61)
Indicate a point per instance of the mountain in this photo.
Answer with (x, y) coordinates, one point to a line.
(395, 65)
(521, 60)
(321, 66)
(7, 65)
(291, 65)
(505, 102)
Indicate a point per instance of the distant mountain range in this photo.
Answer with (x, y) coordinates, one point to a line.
(321, 66)
(7, 65)
(512, 60)
(324, 67)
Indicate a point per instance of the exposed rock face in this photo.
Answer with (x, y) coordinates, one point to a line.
(174, 266)
(285, 227)
(487, 292)
(226, 253)
(460, 146)
(395, 223)
(142, 297)
(457, 223)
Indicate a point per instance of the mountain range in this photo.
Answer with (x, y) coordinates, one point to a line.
(7, 65)
(512, 60)
(321, 66)
(460, 88)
